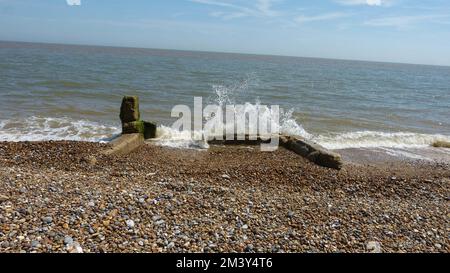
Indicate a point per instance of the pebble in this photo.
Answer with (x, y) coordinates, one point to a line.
(74, 247)
(171, 245)
(226, 176)
(249, 248)
(130, 223)
(68, 240)
(3, 198)
(34, 243)
(47, 219)
(374, 247)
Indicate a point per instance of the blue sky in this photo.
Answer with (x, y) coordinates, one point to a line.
(410, 31)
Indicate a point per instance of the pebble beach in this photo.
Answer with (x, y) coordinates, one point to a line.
(66, 197)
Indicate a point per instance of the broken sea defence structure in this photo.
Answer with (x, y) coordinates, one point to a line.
(135, 131)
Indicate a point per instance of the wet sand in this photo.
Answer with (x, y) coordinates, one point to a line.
(56, 197)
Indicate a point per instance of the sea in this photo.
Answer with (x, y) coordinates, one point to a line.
(73, 92)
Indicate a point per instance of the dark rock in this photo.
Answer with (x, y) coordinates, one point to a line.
(149, 130)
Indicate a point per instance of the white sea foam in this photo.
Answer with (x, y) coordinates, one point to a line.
(50, 128)
(397, 152)
(166, 136)
(372, 139)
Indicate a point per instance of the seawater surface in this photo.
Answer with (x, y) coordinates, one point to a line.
(54, 92)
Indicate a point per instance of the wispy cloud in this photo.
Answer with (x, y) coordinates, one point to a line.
(402, 22)
(365, 2)
(259, 8)
(321, 17)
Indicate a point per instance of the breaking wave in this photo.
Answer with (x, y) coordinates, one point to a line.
(372, 139)
(49, 128)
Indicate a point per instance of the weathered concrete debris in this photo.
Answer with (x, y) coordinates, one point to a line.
(133, 127)
(129, 110)
(441, 144)
(125, 144)
(131, 119)
(312, 151)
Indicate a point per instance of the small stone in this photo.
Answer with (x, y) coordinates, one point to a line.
(248, 248)
(47, 219)
(68, 240)
(374, 247)
(225, 176)
(130, 223)
(34, 244)
(74, 248)
(245, 227)
(4, 244)
(3, 198)
(290, 214)
(156, 218)
(91, 204)
(439, 246)
(171, 245)
(91, 230)
(91, 160)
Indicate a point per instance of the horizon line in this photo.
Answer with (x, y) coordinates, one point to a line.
(222, 52)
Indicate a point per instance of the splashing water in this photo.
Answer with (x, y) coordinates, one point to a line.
(229, 95)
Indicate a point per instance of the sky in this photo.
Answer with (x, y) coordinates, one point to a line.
(406, 31)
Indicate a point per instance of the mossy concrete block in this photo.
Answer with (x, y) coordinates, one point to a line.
(129, 110)
(134, 127)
